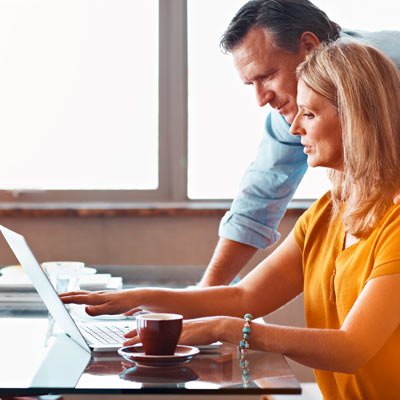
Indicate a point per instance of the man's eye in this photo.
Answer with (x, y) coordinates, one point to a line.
(265, 77)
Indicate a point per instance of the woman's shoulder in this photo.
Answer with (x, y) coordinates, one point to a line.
(386, 243)
(315, 219)
(321, 205)
(319, 212)
(391, 218)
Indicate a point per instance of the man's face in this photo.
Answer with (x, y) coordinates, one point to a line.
(272, 72)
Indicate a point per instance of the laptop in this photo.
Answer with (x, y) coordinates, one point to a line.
(92, 336)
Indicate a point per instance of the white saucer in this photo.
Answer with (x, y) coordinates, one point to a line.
(137, 355)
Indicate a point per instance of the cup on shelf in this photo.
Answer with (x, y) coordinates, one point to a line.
(64, 275)
(159, 333)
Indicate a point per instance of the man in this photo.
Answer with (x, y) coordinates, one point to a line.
(267, 40)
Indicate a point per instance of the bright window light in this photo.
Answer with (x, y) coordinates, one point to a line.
(79, 94)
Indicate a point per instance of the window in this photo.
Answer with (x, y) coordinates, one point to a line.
(125, 100)
(79, 98)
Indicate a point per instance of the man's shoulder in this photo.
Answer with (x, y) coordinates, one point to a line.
(386, 41)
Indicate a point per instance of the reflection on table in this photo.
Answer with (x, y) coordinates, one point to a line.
(32, 366)
(217, 370)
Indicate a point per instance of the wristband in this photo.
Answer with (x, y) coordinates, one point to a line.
(243, 346)
(246, 331)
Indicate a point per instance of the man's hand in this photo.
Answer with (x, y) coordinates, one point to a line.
(227, 261)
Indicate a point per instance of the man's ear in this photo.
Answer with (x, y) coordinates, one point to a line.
(309, 41)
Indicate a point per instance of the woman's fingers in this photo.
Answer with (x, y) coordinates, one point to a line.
(80, 292)
(131, 333)
(132, 337)
(131, 312)
(132, 341)
(91, 298)
(98, 310)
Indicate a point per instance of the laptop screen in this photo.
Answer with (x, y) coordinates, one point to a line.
(49, 296)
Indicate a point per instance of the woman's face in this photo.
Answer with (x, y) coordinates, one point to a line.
(317, 122)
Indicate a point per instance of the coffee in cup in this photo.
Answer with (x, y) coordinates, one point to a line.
(159, 333)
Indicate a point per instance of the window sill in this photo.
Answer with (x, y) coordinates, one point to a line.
(95, 209)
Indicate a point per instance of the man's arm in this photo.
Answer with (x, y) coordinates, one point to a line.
(265, 190)
(228, 259)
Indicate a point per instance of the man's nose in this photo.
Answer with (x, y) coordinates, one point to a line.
(264, 96)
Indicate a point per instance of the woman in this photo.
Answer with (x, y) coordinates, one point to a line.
(344, 252)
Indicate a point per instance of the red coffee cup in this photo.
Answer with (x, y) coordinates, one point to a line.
(159, 333)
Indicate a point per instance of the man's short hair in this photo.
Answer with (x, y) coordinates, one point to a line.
(285, 20)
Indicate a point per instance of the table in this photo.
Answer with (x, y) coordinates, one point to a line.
(33, 364)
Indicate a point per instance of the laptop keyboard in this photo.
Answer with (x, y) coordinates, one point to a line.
(106, 334)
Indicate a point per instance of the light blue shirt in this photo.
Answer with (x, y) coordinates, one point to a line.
(272, 178)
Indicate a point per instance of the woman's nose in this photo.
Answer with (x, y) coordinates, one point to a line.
(296, 128)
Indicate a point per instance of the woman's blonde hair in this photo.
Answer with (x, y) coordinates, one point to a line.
(364, 86)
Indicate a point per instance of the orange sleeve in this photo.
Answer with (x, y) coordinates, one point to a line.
(387, 251)
(389, 268)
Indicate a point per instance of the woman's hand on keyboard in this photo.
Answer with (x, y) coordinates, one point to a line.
(103, 302)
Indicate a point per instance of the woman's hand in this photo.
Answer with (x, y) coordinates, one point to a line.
(200, 331)
(104, 302)
(194, 332)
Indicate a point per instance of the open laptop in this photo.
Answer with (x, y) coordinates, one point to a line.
(92, 336)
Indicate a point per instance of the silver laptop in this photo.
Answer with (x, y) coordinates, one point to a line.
(90, 335)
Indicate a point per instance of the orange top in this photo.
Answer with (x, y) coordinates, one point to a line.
(333, 279)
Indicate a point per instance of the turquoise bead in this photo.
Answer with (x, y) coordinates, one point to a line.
(248, 316)
(242, 344)
(246, 330)
(246, 336)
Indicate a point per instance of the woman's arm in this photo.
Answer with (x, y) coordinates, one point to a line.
(371, 321)
(276, 280)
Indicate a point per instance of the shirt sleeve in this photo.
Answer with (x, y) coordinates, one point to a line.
(387, 41)
(299, 231)
(387, 251)
(266, 187)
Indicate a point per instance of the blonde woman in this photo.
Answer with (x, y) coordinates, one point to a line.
(344, 252)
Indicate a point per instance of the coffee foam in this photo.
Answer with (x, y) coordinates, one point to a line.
(160, 317)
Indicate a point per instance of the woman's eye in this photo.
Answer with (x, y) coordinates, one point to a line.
(308, 115)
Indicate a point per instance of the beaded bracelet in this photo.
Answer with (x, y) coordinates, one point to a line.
(245, 368)
(246, 331)
(243, 346)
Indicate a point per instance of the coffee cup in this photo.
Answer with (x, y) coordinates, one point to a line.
(159, 333)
